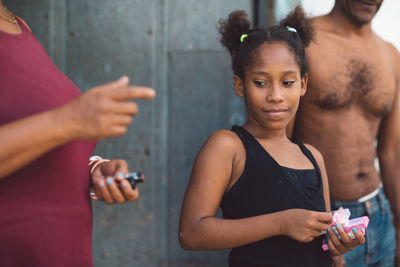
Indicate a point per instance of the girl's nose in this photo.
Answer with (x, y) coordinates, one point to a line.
(275, 95)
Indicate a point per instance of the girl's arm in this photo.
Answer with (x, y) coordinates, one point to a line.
(337, 246)
(320, 161)
(200, 229)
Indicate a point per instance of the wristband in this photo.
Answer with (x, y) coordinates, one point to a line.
(94, 161)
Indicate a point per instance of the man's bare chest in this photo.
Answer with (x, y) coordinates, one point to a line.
(345, 81)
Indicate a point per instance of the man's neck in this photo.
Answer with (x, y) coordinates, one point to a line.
(346, 26)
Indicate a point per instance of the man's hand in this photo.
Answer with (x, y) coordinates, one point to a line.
(110, 185)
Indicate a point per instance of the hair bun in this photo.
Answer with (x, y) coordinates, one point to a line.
(298, 20)
(232, 28)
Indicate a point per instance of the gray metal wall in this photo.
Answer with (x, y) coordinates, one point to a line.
(173, 46)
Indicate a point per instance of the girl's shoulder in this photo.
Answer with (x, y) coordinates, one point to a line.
(315, 152)
(225, 139)
(223, 143)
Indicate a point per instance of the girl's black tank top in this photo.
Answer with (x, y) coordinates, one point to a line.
(265, 187)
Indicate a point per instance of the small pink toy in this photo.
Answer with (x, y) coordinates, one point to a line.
(341, 217)
(359, 223)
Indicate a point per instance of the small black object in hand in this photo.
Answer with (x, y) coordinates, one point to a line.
(134, 177)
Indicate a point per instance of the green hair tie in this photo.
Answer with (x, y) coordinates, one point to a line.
(242, 37)
(291, 29)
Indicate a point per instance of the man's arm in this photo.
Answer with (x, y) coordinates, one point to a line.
(389, 157)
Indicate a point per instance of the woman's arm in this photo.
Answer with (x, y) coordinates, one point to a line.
(25, 140)
(200, 229)
(101, 112)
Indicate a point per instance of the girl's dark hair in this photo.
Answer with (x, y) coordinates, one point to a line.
(242, 53)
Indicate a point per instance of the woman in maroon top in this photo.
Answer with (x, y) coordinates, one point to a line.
(47, 134)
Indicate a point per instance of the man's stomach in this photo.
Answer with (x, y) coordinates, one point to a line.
(347, 143)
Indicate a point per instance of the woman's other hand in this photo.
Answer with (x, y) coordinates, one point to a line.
(109, 183)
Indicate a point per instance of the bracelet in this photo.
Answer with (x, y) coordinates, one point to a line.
(97, 162)
(93, 196)
(93, 162)
(94, 159)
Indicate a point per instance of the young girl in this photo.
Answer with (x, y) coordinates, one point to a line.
(273, 191)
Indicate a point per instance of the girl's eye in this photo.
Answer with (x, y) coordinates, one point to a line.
(260, 83)
(288, 83)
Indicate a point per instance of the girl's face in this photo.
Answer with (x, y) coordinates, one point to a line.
(272, 86)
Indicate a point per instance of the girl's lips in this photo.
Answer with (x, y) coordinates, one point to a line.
(275, 112)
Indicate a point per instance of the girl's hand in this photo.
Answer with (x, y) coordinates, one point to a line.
(110, 190)
(340, 246)
(304, 225)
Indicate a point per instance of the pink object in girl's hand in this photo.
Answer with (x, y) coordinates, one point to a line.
(359, 223)
(341, 217)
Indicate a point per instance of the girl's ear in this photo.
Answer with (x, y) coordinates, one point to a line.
(304, 82)
(239, 88)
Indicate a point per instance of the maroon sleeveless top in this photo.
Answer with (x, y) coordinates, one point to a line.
(45, 210)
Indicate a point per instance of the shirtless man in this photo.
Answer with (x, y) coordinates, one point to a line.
(351, 114)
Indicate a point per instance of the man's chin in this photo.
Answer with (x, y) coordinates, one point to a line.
(363, 19)
(363, 14)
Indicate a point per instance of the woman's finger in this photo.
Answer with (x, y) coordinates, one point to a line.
(128, 108)
(120, 119)
(105, 191)
(121, 169)
(97, 178)
(129, 193)
(114, 191)
(98, 192)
